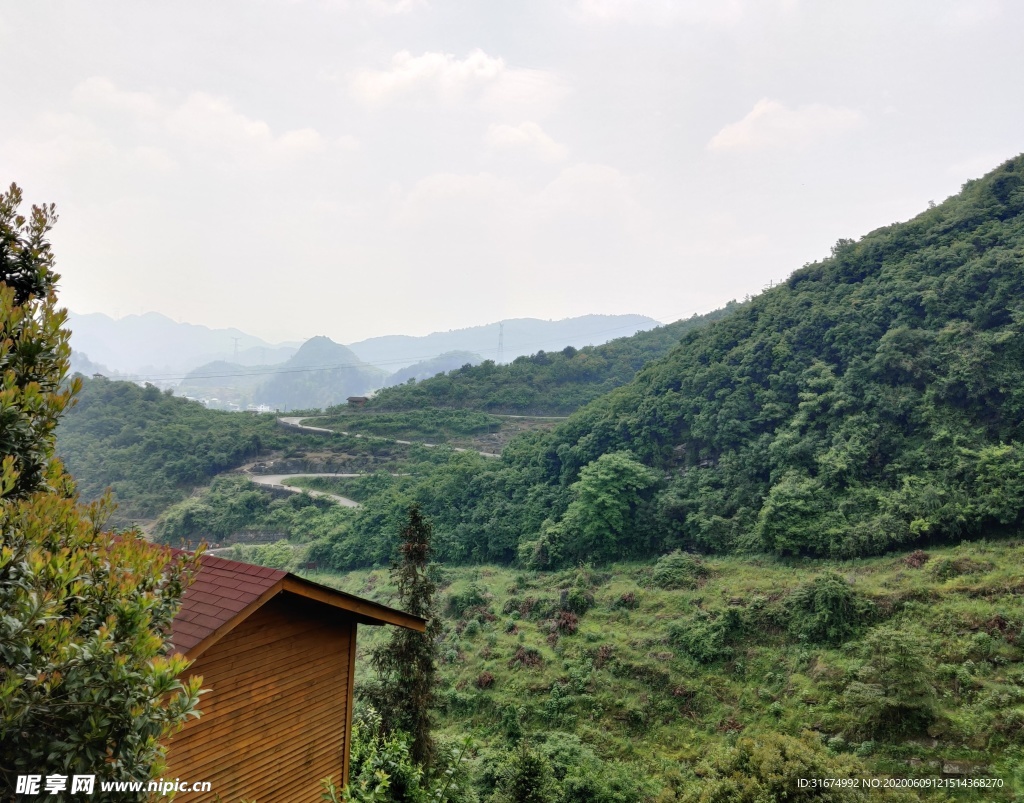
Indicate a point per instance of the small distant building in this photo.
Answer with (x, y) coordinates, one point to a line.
(278, 654)
(357, 401)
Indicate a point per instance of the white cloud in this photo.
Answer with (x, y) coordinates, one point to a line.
(487, 80)
(770, 124)
(62, 142)
(492, 209)
(213, 123)
(526, 136)
(441, 74)
(662, 11)
(200, 120)
(449, 197)
(394, 7)
(148, 158)
(592, 191)
(101, 93)
(970, 14)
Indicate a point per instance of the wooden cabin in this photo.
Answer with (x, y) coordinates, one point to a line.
(277, 653)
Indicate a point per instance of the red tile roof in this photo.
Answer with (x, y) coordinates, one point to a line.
(221, 589)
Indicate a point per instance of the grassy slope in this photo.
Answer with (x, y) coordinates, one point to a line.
(625, 685)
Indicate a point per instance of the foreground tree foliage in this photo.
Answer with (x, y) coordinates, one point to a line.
(382, 768)
(87, 682)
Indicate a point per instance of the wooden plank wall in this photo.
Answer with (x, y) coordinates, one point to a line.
(274, 722)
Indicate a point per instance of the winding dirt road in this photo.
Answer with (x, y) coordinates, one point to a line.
(277, 481)
(295, 422)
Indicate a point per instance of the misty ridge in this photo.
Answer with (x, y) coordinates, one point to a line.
(231, 369)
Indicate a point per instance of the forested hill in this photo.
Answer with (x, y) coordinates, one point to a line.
(875, 398)
(152, 448)
(555, 382)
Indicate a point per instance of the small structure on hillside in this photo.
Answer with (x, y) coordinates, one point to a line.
(357, 401)
(277, 653)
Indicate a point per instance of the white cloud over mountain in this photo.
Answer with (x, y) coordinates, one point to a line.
(771, 125)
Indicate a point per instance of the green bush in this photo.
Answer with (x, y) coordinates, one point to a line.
(771, 766)
(705, 637)
(828, 610)
(678, 570)
(893, 691)
(457, 603)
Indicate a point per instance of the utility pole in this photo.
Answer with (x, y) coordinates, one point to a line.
(236, 339)
(501, 343)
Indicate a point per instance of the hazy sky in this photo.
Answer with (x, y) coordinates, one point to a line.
(365, 167)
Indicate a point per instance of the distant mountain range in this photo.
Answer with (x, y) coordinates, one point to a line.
(238, 369)
(154, 346)
(518, 337)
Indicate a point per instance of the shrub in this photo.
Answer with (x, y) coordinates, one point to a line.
(948, 568)
(525, 777)
(578, 600)
(678, 570)
(771, 766)
(566, 623)
(705, 638)
(526, 657)
(893, 692)
(828, 610)
(627, 601)
(458, 603)
(916, 559)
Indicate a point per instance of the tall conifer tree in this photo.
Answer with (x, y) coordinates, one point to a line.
(407, 663)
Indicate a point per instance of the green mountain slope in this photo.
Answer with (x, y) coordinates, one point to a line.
(556, 382)
(892, 666)
(152, 449)
(874, 399)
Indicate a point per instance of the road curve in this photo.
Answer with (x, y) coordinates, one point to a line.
(277, 481)
(295, 422)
